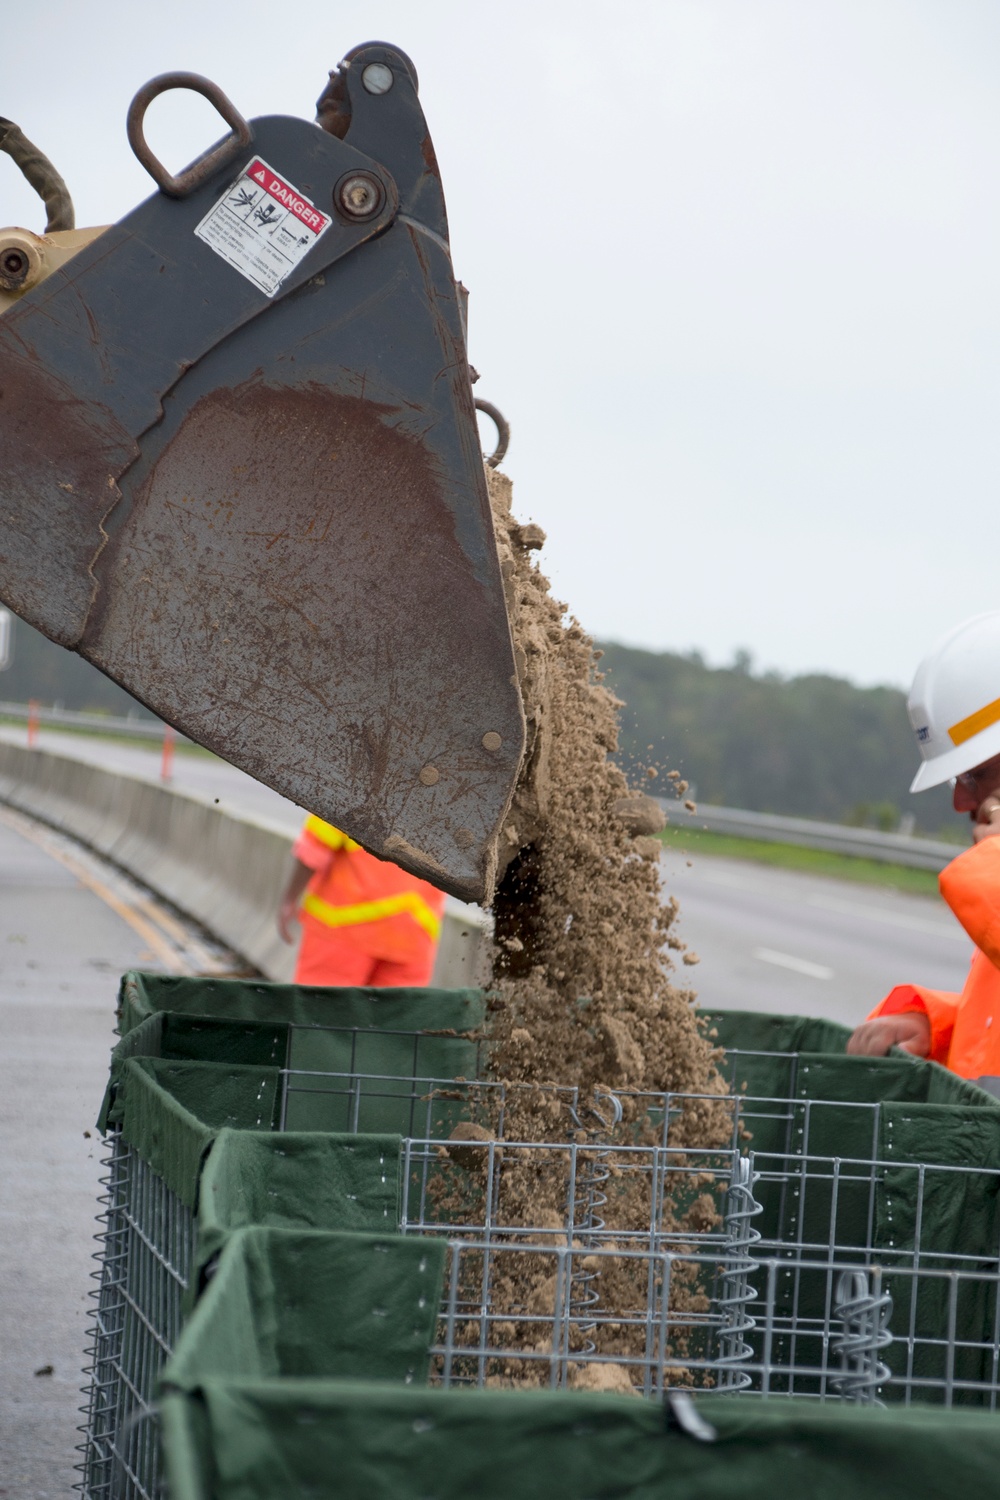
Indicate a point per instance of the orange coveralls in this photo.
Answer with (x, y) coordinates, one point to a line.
(965, 1028)
(364, 920)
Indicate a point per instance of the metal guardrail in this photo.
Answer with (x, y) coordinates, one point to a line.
(69, 718)
(772, 828)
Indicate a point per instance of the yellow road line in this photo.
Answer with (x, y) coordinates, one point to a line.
(150, 934)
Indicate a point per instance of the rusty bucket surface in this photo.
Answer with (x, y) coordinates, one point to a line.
(261, 507)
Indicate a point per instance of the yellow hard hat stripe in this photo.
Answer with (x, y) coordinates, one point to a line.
(981, 719)
(374, 911)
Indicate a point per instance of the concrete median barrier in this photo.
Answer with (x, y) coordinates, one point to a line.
(225, 872)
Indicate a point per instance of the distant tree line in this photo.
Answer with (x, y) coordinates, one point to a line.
(812, 746)
(39, 669)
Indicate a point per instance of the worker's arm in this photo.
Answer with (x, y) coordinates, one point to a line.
(314, 851)
(912, 1017)
(288, 908)
(922, 1020)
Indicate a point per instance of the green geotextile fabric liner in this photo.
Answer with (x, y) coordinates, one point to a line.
(184, 1038)
(249, 1440)
(402, 1009)
(757, 1031)
(313, 1303)
(171, 1112)
(348, 1182)
(928, 1216)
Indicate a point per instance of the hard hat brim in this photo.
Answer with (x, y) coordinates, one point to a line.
(933, 773)
(965, 757)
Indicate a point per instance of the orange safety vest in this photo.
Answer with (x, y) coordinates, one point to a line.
(965, 1028)
(379, 908)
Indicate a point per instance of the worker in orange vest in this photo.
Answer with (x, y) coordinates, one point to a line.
(954, 709)
(364, 920)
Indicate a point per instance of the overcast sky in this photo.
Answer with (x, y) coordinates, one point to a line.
(735, 276)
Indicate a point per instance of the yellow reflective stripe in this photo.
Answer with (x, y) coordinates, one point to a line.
(328, 835)
(981, 719)
(374, 911)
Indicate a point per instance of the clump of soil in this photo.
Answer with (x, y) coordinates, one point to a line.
(584, 997)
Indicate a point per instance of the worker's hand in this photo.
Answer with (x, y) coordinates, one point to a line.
(987, 824)
(288, 919)
(910, 1031)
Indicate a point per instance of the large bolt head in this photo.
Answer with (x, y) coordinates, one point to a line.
(20, 260)
(359, 196)
(377, 78)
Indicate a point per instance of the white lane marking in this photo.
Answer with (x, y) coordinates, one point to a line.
(797, 965)
(890, 918)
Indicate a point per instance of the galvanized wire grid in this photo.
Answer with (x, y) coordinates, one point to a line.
(147, 1240)
(762, 1309)
(819, 1218)
(729, 1346)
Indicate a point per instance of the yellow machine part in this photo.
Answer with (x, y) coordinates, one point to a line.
(27, 258)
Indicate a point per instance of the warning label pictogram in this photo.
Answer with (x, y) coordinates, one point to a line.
(263, 226)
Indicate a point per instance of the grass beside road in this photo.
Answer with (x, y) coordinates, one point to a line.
(810, 861)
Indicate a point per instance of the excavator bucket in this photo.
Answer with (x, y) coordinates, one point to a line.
(241, 473)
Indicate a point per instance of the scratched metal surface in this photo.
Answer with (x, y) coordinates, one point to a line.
(295, 563)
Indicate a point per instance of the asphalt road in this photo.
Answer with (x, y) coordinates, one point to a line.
(69, 927)
(776, 940)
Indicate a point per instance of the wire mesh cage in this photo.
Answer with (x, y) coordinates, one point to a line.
(827, 1246)
(146, 1244)
(735, 1312)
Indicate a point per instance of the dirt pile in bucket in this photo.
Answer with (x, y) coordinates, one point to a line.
(584, 1006)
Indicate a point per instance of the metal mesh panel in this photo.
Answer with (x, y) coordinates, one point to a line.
(147, 1241)
(715, 1343)
(808, 1220)
(815, 1309)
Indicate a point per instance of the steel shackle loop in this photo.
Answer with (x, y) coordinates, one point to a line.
(502, 426)
(206, 166)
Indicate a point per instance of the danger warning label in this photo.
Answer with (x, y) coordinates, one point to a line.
(263, 226)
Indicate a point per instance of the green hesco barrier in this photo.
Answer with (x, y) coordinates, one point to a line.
(382, 1035)
(312, 1303)
(403, 1009)
(234, 1171)
(893, 1158)
(257, 1440)
(758, 1031)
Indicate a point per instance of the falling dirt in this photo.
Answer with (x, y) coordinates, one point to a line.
(584, 935)
(584, 1005)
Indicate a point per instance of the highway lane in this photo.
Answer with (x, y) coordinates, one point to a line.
(776, 940)
(69, 927)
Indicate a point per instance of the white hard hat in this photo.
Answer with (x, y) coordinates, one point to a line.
(954, 703)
